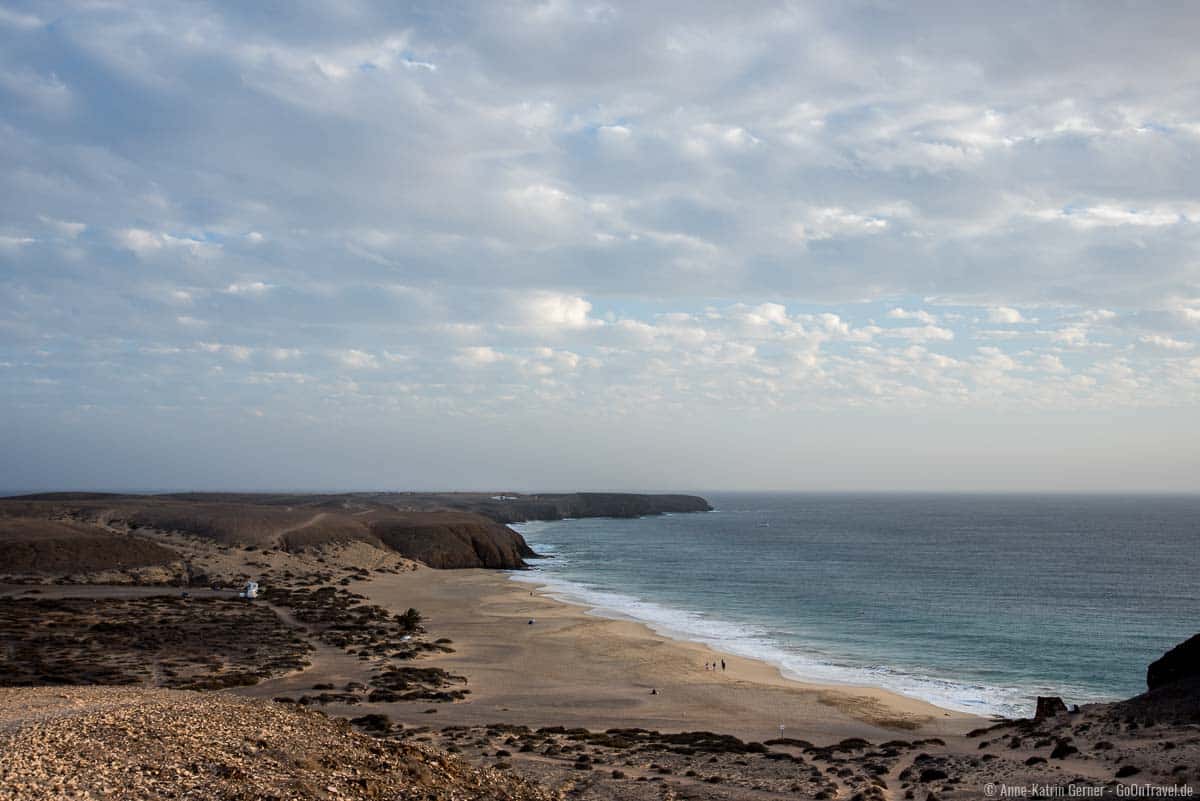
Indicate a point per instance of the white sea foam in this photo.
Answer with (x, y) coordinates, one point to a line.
(793, 662)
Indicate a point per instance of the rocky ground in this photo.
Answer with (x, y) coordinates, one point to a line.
(1092, 749)
(121, 743)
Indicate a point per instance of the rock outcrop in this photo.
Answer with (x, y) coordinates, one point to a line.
(1048, 706)
(449, 540)
(1173, 682)
(1179, 664)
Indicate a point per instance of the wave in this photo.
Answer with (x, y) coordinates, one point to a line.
(793, 660)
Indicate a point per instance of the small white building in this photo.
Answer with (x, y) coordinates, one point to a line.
(250, 590)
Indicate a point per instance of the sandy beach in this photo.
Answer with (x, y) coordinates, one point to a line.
(572, 668)
(474, 695)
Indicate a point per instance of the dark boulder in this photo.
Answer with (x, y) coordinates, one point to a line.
(1180, 663)
(1048, 706)
(1174, 689)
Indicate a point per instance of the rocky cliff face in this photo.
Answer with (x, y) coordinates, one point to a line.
(1173, 688)
(1181, 663)
(450, 540)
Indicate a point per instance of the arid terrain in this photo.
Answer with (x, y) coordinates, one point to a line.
(133, 670)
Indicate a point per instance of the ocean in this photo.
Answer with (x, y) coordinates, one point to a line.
(974, 602)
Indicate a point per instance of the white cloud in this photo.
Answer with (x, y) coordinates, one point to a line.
(833, 223)
(144, 243)
(1005, 315)
(554, 310)
(139, 240)
(14, 242)
(919, 315)
(1103, 216)
(1072, 336)
(478, 356)
(1165, 342)
(924, 333)
(1049, 363)
(356, 359)
(238, 353)
(247, 288)
(548, 204)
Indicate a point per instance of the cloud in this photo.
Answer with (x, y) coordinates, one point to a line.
(918, 315)
(1165, 342)
(830, 223)
(468, 212)
(478, 356)
(1105, 216)
(15, 242)
(247, 288)
(355, 359)
(145, 243)
(1005, 315)
(139, 240)
(924, 333)
(239, 353)
(553, 310)
(64, 228)
(19, 20)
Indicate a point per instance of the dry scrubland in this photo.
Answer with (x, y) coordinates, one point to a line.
(331, 686)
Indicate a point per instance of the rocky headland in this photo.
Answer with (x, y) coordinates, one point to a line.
(93, 533)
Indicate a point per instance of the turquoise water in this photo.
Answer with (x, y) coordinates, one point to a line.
(977, 603)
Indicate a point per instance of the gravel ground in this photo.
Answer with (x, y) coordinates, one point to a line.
(126, 743)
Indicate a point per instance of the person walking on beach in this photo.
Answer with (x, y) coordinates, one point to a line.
(722, 665)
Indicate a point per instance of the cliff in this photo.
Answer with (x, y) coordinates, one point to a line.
(443, 530)
(453, 540)
(1172, 688)
(99, 533)
(518, 508)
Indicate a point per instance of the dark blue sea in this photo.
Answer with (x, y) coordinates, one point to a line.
(974, 602)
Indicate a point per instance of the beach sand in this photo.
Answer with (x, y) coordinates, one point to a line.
(571, 668)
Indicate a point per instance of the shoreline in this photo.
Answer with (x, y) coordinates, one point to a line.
(551, 590)
(573, 668)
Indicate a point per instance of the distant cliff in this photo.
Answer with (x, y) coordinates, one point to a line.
(87, 534)
(442, 530)
(517, 508)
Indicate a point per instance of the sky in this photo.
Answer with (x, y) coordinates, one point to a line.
(586, 245)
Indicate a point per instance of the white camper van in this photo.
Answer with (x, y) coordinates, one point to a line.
(250, 591)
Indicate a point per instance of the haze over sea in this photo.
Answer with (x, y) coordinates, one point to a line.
(974, 602)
